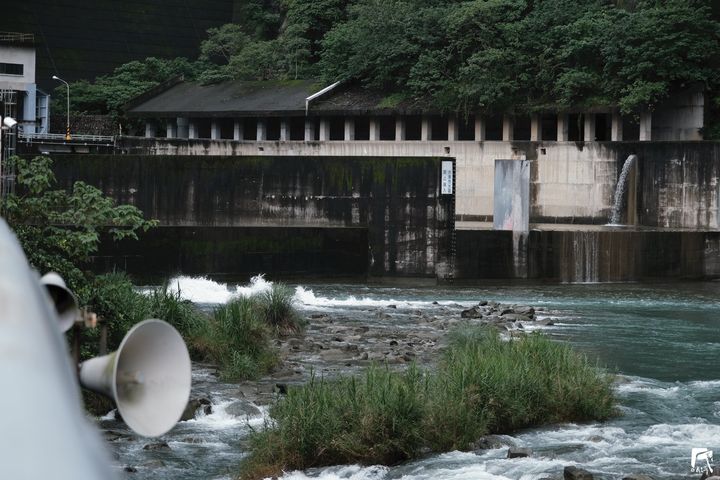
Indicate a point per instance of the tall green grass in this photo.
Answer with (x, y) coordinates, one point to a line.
(482, 385)
(118, 303)
(239, 336)
(239, 340)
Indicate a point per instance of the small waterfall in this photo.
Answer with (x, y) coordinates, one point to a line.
(620, 190)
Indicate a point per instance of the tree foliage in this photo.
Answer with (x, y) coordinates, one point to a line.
(461, 55)
(108, 93)
(59, 230)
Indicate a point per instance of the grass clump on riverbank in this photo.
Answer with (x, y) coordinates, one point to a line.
(239, 336)
(482, 385)
(116, 301)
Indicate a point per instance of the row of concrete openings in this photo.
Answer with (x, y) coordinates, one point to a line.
(551, 127)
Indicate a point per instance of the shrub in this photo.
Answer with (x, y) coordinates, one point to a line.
(482, 385)
(116, 301)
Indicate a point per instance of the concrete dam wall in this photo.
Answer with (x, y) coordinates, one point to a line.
(292, 215)
(364, 209)
(570, 182)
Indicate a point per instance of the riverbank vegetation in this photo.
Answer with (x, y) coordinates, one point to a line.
(238, 337)
(482, 385)
(493, 55)
(59, 231)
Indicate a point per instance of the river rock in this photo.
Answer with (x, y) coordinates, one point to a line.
(524, 310)
(473, 312)
(516, 317)
(575, 473)
(156, 446)
(518, 452)
(242, 408)
(489, 442)
(638, 477)
(130, 469)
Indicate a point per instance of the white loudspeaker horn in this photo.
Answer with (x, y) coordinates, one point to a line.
(65, 302)
(148, 377)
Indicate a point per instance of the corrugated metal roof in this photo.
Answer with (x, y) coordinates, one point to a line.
(232, 98)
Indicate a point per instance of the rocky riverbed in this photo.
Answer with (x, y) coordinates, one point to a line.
(395, 334)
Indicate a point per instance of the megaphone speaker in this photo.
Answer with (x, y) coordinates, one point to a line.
(149, 377)
(65, 302)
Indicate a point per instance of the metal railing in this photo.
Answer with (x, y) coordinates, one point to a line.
(16, 37)
(40, 137)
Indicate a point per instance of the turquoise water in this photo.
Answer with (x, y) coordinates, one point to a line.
(662, 339)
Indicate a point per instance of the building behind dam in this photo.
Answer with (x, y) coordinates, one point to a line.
(298, 177)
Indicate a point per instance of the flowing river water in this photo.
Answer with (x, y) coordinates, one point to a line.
(663, 340)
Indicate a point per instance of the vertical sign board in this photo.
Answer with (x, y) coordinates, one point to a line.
(446, 178)
(511, 199)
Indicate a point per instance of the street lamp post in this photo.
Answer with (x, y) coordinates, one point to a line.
(6, 123)
(67, 126)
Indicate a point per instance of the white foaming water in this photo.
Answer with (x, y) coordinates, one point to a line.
(307, 297)
(220, 419)
(346, 472)
(204, 290)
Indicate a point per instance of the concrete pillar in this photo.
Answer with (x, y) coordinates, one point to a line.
(508, 125)
(193, 131)
(284, 130)
(425, 130)
(150, 129)
(215, 130)
(453, 130)
(645, 126)
(324, 129)
(616, 131)
(400, 134)
(562, 127)
(183, 127)
(172, 130)
(309, 129)
(349, 129)
(261, 130)
(374, 129)
(479, 129)
(238, 133)
(535, 128)
(589, 130)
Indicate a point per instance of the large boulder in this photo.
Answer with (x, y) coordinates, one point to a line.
(242, 408)
(575, 473)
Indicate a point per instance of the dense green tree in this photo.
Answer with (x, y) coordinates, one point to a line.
(59, 230)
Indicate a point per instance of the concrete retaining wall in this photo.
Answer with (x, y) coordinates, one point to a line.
(397, 200)
(571, 182)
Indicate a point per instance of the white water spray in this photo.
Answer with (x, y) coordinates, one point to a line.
(620, 189)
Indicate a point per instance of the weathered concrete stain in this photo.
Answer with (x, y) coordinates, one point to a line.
(397, 199)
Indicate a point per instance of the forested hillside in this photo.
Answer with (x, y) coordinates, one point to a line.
(490, 55)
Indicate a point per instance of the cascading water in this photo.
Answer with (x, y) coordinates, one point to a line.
(621, 188)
